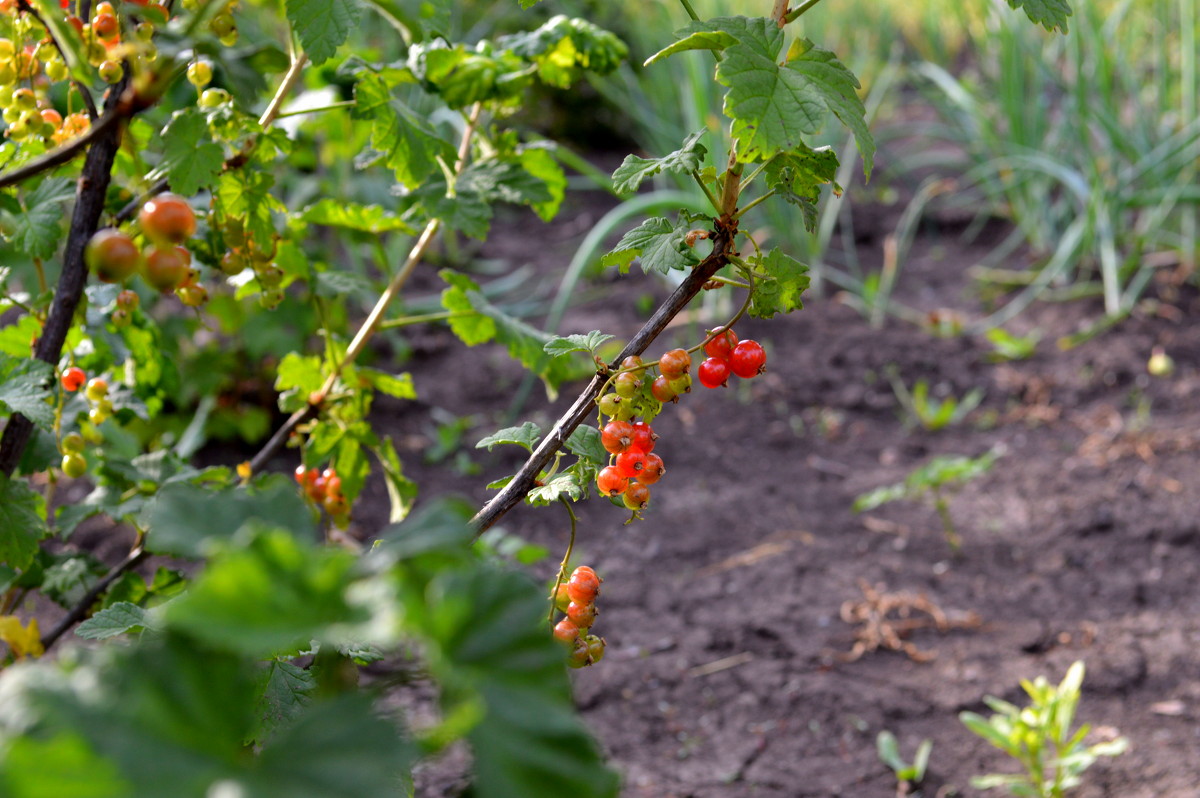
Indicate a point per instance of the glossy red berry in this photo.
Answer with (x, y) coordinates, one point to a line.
(631, 362)
(713, 372)
(631, 463)
(73, 379)
(643, 437)
(301, 474)
(584, 585)
(112, 255)
(721, 346)
(674, 363)
(636, 495)
(168, 218)
(164, 269)
(616, 436)
(652, 470)
(661, 390)
(748, 359)
(105, 25)
(566, 632)
(611, 481)
(582, 615)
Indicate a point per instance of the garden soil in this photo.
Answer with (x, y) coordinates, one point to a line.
(742, 657)
(760, 633)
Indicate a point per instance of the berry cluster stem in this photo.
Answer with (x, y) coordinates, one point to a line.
(566, 560)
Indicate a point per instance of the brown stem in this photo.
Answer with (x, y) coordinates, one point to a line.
(89, 204)
(76, 613)
(60, 155)
(585, 404)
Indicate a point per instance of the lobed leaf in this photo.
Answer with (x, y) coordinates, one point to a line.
(322, 25)
(785, 280)
(634, 170)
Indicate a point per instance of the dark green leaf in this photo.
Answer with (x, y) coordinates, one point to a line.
(37, 230)
(409, 143)
(585, 442)
(284, 690)
(322, 25)
(525, 435)
(117, 619)
(1051, 14)
(22, 522)
(780, 290)
(659, 243)
(24, 389)
(62, 766)
(838, 89)
(634, 170)
(352, 216)
(798, 176)
(190, 156)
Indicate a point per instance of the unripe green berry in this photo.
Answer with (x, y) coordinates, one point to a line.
(74, 465)
(199, 74)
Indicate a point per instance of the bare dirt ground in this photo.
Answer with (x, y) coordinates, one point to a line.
(732, 668)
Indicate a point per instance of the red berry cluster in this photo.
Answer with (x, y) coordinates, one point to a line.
(727, 355)
(324, 489)
(577, 598)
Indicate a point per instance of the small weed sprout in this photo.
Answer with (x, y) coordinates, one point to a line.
(932, 414)
(908, 777)
(1039, 737)
(937, 479)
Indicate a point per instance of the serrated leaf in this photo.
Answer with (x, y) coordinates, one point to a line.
(472, 328)
(797, 177)
(37, 229)
(409, 143)
(191, 158)
(780, 291)
(526, 435)
(62, 765)
(838, 89)
(585, 442)
(580, 342)
(22, 522)
(563, 484)
(322, 25)
(633, 170)
(351, 216)
(1051, 14)
(503, 180)
(397, 385)
(113, 620)
(658, 242)
(284, 690)
(301, 372)
(716, 40)
(402, 491)
(341, 284)
(542, 165)
(24, 389)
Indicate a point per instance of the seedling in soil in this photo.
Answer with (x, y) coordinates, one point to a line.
(937, 480)
(1039, 737)
(908, 777)
(1011, 347)
(929, 413)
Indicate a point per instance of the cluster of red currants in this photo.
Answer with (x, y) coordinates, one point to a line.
(727, 355)
(166, 222)
(324, 489)
(635, 466)
(577, 598)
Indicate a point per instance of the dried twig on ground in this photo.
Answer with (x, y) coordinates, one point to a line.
(886, 620)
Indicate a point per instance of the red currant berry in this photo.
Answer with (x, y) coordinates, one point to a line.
(636, 496)
(611, 481)
(616, 436)
(627, 384)
(105, 26)
(128, 299)
(631, 463)
(164, 269)
(674, 363)
(721, 346)
(661, 390)
(582, 615)
(112, 255)
(631, 362)
(595, 648)
(584, 585)
(301, 474)
(579, 656)
(560, 597)
(566, 632)
(168, 218)
(73, 379)
(748, 359)
(713, 372)
(652, 470)
(643, 437)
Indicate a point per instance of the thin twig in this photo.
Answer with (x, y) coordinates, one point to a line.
(526, 478)
(60, 155)
(289, 81)
(566, 560)
(76, 613)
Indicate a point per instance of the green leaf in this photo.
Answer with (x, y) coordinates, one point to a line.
(114, 620)
(274, 595)
(503, 180)
(397, 385)
(688, 158)
(797, 177)
(716, 40)
(410, 145)
(24, 389)
(62, 766)
(658, 242)
(567, 484)
(581, 342)
(246, 194)
(322, 25)
(22, 522)
(838, 89)
(189, 521)
(37, 229)
(541, 164)
(191, 158)
(1051, 14)
(585, 442)
(304, 373)
(526, 435)
(402, 491)
(780, 290)
(284, 690)
(563, 48)
(352, 216)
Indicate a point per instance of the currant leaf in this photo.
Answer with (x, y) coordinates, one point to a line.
(36, 228)
(322, 25)
(24, 389)
(1051, 14)
(779, 291)
(797, 177)
(580, 342)
(634, 170)
(409, 144)
(22, 522)
(120, 618)
(658, 242)
(190, 156)
(526, 435)
(351, 216)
